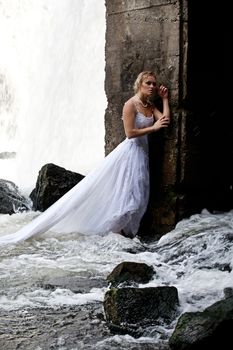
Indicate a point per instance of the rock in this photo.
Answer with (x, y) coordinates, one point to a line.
(52, 183)
(130, 272)
(209, 329)
(11, 200)
(228, 292)
(140, 306)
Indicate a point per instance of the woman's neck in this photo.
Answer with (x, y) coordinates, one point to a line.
(143, 100)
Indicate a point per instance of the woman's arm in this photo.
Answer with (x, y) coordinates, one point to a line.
(129, 112)
(163, 93)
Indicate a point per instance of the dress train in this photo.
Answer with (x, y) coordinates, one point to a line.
(111, 198)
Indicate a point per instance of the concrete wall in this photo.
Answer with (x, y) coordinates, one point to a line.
(186, 175)
(149, 35)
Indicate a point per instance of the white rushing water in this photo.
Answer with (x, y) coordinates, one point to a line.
(196, 257)
(52, 99)
(52, 106)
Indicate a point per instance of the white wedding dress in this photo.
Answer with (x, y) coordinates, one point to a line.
(111, 198)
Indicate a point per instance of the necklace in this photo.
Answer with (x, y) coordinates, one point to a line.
(145, 105)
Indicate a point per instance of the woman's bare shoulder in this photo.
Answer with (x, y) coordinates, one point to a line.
(130, 104)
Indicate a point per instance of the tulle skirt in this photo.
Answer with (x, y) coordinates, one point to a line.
(111, 198)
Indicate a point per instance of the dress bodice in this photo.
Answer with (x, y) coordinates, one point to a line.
(141, 121)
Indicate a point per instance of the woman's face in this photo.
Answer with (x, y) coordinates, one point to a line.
(148, 86)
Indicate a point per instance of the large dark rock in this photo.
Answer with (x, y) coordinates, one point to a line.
(129, 272)
(140, 306)
(52, 183)
(11, 200)
(209, 329)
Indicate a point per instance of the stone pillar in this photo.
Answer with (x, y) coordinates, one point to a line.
(148, 35)
(191, 163)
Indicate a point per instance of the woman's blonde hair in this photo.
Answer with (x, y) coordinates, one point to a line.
(140, 78)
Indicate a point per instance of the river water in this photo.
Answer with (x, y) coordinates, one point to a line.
(52, 105)
(64, 276)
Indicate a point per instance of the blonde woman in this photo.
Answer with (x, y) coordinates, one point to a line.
(114, 196)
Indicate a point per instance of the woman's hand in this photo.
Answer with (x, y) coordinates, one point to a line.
(162, 91)
(162, 122)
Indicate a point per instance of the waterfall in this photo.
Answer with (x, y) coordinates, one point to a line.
(52, 99)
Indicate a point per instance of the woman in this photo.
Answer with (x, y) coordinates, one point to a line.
(114, 196)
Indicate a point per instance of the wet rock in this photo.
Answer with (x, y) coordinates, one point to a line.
(123, 329)
(209, 329)
(223, 267)
(11, 199)
(228, 292)
(140, 306)
(130, 272)
(52, 183)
